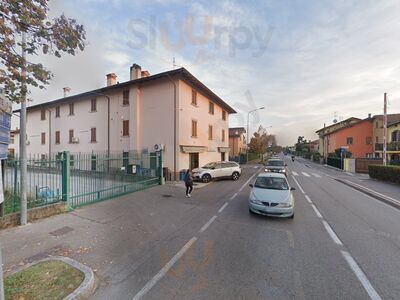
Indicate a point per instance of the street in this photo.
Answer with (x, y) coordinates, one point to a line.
(157, 244)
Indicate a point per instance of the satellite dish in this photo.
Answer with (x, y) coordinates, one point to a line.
(334, 121)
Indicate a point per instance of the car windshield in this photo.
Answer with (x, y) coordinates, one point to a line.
(210, 166)
(275, 163)
(271, 183)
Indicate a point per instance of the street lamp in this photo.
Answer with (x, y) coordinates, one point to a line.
(247, 136)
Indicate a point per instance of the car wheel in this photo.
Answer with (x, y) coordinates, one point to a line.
(235, 176)
(251, 212)
(292, 216)
(206, 178)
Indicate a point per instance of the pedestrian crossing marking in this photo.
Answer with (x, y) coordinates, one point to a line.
(295, 173)
(316, 175)
(305, 174)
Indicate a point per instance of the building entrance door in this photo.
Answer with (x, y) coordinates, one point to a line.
(222, 156)
(193, 160)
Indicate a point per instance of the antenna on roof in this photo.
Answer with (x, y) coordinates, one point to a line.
(335, 117)
(174, 63)
(66, 90)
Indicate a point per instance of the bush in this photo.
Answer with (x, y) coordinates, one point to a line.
(386, 173)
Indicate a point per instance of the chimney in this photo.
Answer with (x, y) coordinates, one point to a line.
(136, 72)
(145, 74)
(369, 116)
(111, 79)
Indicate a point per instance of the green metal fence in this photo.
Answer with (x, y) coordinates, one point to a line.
(80, 178)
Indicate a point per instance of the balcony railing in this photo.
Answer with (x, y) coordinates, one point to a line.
(392, 146)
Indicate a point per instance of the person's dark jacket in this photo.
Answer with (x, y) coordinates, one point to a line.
(188, 179)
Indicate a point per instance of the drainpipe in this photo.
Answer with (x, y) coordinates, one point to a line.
(49, 133)
(170, 79)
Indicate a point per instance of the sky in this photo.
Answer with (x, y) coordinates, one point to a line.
(306, 62)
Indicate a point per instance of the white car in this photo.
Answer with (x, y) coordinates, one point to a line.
(221, 169)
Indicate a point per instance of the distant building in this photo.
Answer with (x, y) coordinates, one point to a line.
(237, 141)
(378, 131)
(172, 108)
(13, 147)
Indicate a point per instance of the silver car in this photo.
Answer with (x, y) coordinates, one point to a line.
(221, 169)
(271, 196)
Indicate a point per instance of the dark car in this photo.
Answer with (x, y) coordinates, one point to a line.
(275, 165)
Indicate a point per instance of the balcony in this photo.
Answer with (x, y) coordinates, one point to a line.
(392, 146)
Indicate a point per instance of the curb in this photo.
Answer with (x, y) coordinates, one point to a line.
(388, 200)
(88, 284)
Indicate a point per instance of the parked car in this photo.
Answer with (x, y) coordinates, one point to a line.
(222, 169)
(275, 165)
(271, 196)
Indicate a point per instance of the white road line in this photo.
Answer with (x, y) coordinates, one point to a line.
(348, 173)
(247, 182)
(316, 211)
(150, 284)
(316, 175)
(332, 233)
(295, 173)
(361, 276)
(255, 167)
(223, 207)
(308, 199)
(305, 174)
(205, 226)
(298, 184)
(234, 196)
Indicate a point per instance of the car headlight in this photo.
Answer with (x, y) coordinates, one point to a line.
(282, 171)
(285, 204)
(255, 201)
(267, 170)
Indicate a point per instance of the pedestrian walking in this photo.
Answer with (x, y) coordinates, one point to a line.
(188, 183)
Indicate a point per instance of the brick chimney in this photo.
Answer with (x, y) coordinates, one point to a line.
(111, 79)
(136, 72)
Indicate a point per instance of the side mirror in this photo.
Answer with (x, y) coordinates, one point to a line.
(292, 189)
(251, 185)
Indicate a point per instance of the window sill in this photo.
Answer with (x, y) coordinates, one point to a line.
(71, 115)
(195, 105)
(92, 111)
(194, 136)
(93, 142)
(125, 136)
(125, 105)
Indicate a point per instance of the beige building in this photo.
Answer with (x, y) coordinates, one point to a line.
(378, 132)
(237, 141)
(172, 108)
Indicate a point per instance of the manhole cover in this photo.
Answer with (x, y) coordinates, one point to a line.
(166, 196)
(61, 231)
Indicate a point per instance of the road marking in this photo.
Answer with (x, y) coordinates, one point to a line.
(361, 276)
(348, 173)
(205, 226)
(150, 284)
(255, 167)
(308, 199)
(305, 174)
(298, 184)
(290, 238)
(316, 175)
(332, 233)
(316, 211)
(223, 207)
(234, 195)
(247, 182)
(295, 173)
(299, 292)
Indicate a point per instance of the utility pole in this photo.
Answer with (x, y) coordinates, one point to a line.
(384, 129)
(22, 143)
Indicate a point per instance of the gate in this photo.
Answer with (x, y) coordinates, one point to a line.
(363, 163)
(335, 162)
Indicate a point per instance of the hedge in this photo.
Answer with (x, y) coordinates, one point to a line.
(386, 173)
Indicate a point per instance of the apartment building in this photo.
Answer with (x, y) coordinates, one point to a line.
(172, 108)
(378, 131)
(237, 141)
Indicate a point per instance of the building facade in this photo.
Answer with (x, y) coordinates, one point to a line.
(378, 132)
(172, 108)
(237, 141)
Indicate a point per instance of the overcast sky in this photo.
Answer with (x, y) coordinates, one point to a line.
(303, 60)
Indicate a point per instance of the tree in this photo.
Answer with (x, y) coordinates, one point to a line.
(54, 37)
(261, 140)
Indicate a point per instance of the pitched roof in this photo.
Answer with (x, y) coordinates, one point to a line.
(236, 131)
(181, 73)
(391, 118)
(338, 124)
(350, 125)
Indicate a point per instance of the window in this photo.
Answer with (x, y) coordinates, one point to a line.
(349, 141)
(125, 97)
(223, 135)
(194, 128)
(125, 128)
(376, 139)
(93, 134)
(194, 97)
(223, 115)
(71, 109)
(93, 104)
(57, 137)
(43, 156)
(71, 135)
(211, 108)
(396, 136)
(57, 111)
(376, 125)
(43, 138)
(368, 140)
(42, 114)
(210, 132)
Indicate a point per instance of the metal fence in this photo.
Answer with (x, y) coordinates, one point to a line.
(80, 178)
(335, 162)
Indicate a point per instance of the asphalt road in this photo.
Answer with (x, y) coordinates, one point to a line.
(341, 244)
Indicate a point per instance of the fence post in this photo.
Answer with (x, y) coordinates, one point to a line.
(161, 167)
(65, 176)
